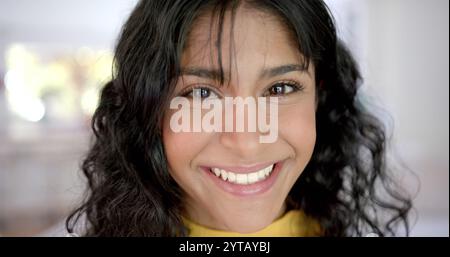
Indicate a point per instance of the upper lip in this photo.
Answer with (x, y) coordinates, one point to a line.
(242, 168)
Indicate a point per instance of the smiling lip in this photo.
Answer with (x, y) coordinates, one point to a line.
(243, 168)
(249, 189)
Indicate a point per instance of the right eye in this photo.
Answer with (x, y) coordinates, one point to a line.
(200, 93)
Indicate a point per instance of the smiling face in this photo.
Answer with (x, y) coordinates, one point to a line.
(259, 59)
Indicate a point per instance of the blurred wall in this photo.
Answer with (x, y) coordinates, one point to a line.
(39, 160)
(408, 68)
(402, 47)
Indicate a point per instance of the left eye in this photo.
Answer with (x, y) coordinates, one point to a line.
(281, 89)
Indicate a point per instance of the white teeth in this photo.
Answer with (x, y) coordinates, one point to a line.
(243, 179)
(261, 174)
(216, 171)
(223, 174)
(268, 170)
(231, 177)
(252, 177)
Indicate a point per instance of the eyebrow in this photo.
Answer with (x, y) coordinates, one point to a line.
(280, 70)
(215, 74)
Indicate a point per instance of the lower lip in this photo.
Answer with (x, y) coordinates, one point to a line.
(247, 190)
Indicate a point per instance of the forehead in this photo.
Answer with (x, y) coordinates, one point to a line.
(250, 34)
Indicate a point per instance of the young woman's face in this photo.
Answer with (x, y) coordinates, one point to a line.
(259, 59)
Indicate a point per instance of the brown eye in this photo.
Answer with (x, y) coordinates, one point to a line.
(282, 88)
(201, 93)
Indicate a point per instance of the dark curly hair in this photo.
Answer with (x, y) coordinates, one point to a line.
(347, 186)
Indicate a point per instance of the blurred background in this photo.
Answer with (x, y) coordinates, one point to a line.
(56, 55)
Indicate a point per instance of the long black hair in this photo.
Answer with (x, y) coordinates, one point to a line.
(347, 186)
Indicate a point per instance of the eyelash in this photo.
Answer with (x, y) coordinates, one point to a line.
(295, 88)
(190, 90)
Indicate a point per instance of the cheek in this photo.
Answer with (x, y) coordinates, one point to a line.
(175, 145)
(181, 150)
(298, 129)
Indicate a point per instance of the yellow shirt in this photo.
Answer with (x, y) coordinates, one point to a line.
(292, 224)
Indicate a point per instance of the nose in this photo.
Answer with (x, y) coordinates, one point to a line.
(245, 145)
(242, 140)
